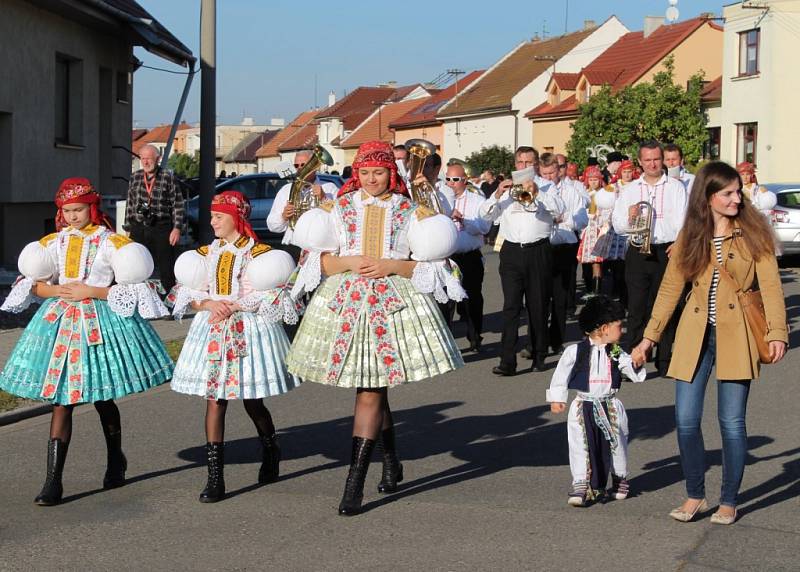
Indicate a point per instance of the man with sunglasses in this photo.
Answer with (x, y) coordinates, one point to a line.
(471, 229)
(282, 210)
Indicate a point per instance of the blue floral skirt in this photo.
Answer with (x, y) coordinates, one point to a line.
(82, 354)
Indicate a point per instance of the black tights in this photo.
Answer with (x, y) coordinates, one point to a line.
(372, 413)
(61, 420)
(215, 418)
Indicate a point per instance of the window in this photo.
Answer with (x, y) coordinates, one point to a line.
(746, 139)
(68, 118)
(711, 146)
(748, 52)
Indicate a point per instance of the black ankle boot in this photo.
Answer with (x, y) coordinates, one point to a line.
(53, 490)
(270, 459)
(215, 487)
(392, 467)
(354, 486)
(117, 464)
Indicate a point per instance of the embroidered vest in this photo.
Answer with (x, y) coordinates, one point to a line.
(579, 376)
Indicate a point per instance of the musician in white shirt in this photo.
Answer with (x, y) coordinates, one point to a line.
(525, 260)
(643, 272)
(673, 161)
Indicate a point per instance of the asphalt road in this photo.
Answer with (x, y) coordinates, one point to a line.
(486, 482)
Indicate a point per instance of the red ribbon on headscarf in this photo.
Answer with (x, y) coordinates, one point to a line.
(592, 171)
(626, 164)
(79, 190)
(746, 167)
(374, 154)
(235, 204)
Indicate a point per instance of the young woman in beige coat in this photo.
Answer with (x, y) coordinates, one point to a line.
(719, 227)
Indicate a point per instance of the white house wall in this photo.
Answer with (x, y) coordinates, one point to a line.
(462, 137)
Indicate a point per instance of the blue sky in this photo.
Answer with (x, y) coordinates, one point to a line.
(269, 51)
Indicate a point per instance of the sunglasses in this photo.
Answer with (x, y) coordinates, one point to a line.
(454, 179)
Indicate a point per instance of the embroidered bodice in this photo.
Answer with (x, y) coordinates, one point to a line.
(84, 255)
(226, 264)
(373, 226)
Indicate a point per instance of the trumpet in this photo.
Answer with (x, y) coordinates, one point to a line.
(423, 194)
(300, 195)
(641, 225)
(523, 196)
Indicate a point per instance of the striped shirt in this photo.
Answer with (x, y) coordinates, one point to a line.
(712, 292)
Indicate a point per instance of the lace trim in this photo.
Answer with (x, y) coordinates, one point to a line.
(309, 276)
(278, 306)
(125, 299)
(183, 298)
(440, 278)
(20, 297)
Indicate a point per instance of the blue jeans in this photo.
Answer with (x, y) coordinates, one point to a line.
(731, 410)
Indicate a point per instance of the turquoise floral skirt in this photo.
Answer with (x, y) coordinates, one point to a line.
(78, 353)
(406, 340)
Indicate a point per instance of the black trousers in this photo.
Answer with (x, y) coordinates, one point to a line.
(643, 274)
(525, 271)
(565, 267)
(471, 265)
(156, 239)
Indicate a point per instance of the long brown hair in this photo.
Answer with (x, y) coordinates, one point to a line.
(694, 241)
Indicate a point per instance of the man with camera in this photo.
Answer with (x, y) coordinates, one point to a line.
(155, 213)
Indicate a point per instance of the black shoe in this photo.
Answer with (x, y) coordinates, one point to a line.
(354, 485)
(117, 464)
(558, 350)
(503, 370)
(526, 354)
(215, 486)
(472, 348)
(392, 467)
(270, 459)
(538, 363)
(53, 489)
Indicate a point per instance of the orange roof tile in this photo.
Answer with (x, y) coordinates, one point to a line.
(303, 138)
(270, 148)
(157, 134)
(568, 81)
(494, 90)
(712, 91)
(425, 112)
(357, 105)
(377, 125)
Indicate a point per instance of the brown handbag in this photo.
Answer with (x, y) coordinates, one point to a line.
(754, 314)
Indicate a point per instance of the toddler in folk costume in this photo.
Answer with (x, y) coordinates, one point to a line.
(89, 342)
(597, 425)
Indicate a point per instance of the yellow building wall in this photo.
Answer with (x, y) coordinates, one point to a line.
(432, 133)
(552, 134)
(700, 51)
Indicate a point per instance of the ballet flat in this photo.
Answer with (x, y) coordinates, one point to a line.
(725, 519)
(684, 516)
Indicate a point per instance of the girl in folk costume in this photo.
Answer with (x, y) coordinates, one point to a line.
(89, 342)
(378, 263)
(597, 425)
(236, 346)
(611, 247)
(763, 199)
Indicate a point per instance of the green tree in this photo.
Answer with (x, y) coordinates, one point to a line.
(498, 159)
(185, 166)
(658, 110)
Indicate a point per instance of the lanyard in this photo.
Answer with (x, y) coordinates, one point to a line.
(149, 186)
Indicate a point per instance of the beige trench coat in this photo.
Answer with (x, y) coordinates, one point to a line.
(737, 355)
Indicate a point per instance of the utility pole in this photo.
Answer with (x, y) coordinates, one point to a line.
(208, 114)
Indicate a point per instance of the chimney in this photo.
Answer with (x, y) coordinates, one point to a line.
(589, 24)
(652, 23)
(331, 98)
(708, 15)
(248, 121)
(536, 38)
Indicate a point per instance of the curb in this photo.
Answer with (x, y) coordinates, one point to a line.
(9, 417)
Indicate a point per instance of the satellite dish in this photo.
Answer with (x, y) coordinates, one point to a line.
(672, 13)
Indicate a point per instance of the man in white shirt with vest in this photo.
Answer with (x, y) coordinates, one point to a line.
(525, 261)
(643, 272)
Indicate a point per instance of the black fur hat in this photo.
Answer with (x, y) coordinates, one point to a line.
(599, 310)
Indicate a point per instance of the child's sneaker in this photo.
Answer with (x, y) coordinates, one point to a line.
(579, 495)
(619, 488)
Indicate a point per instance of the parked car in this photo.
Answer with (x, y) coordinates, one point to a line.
(261, 189)
(786, 216)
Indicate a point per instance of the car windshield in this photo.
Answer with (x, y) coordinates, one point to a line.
(789, 199)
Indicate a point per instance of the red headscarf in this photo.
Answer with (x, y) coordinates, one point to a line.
(592, 171)
(80, 190)
(374, 154)
(235, 204)
(626, 164)
(746, 167)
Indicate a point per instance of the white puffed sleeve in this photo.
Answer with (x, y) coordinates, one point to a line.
(764, 200)
(191, 277)
(268, 274)
(605, 199)
(36, 263)
(431, 240)
(133, 265)
(316, 233)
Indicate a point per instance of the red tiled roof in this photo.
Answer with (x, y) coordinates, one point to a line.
(547, 110)
(303, 138)
(712, 91)
(137, 133)
(629, 58)
(568, 81)
(157, 134)
(495, 89)
(369, 129)
(357, 105)
(425, 113)
(404, 91)
(270, 148)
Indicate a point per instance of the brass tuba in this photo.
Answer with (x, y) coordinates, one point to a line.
(300, 195)
(641, 226)
(423, 194)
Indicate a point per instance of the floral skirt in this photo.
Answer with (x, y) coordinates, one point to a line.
(244, 359)
(81, 354)
(415, 342)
